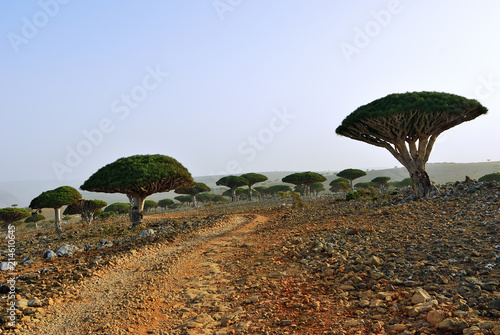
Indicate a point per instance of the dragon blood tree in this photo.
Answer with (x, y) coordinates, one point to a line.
(304, 178)
(253, 178)
(407, 125)
(86, 208)
(56, 199)
(138, 177)
(193, 191)
(233, 182)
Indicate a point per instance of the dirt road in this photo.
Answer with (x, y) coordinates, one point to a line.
(160, 290)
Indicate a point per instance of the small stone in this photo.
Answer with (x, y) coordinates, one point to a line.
(252, 299)
(494, 304)
(471, 331)
(398, 327)
(67, 250)
(35, 302)
(453, 325)
(420, 296)
(364, 303)
(147, 233)
(374, 261)
(434, 317)
(49, 254)
(21, 303)
(286, 322)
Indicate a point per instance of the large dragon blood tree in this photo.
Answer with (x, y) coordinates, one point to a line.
(408, 125)
(138, 177)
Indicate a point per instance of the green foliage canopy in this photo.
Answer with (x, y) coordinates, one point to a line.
(351, 174)
(232, 182)
(381, 181)
(34, 218)
(303, 178)
(490, 177)
(56, 198)
(10, 215)
(118, 207)
(196, 189)
(140, 175)
(163, 203)
(150, 204)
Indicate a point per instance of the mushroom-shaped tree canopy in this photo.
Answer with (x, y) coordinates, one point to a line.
(407, 125)
(193, 191)
(164, 203)
(138, 177)
(233, 182)
(351, 174)
(10, 215)
(253, 178)
(304, 178)
(86, 208)
(339, 184)
(56, 198)
(381, 181)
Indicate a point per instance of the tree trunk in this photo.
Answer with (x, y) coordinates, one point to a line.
(423, 185)
(194, 200)
(57, 220)
(233, 194)
(352, 187)
(250, 192)
(136, 207)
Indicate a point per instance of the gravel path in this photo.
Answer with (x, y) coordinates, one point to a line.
(134, 295)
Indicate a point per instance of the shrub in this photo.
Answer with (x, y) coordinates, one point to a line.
(352, 196)
(118, 207)
(297, 201)
(34, 218)
(490, 177)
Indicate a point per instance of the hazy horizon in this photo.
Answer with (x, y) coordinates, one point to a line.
(229, 87)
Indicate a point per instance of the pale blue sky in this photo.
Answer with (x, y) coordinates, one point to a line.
(232, 86)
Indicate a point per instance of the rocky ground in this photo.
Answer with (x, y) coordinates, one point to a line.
(386, 266)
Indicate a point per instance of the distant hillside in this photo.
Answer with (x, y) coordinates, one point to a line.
(21, 192)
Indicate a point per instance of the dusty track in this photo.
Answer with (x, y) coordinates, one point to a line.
(152, 290)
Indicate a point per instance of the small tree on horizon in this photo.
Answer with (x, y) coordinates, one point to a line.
(407, 125)
(339, 184)
(184, 199)
(118, 207)
(35, 218)
(86, 208)
(164, 203)
(304, 178)
(316, 188)
(138, 177)
(149, 204)
(56, 199)
(193, 191)
(253, 178)
(233, 182)
(351, 174)
(381, 181)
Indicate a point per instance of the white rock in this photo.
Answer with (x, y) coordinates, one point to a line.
(67, 250)
(147, 233)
